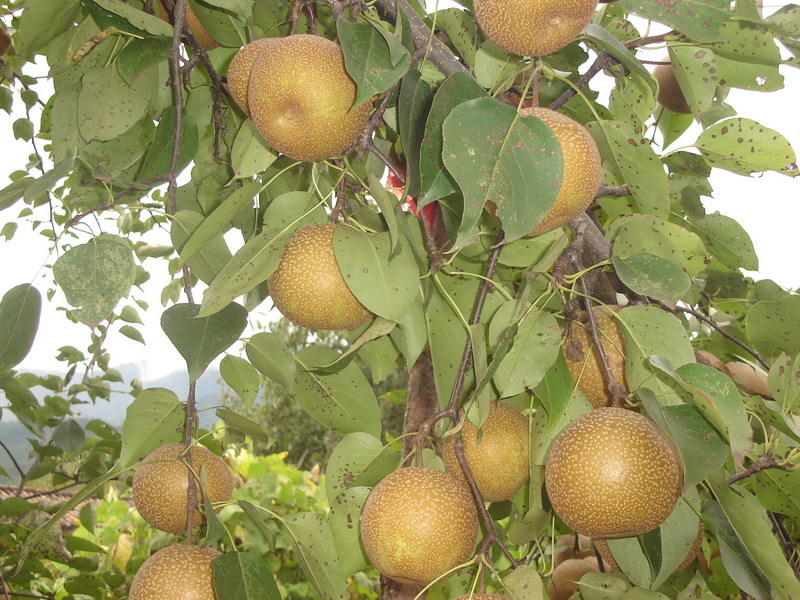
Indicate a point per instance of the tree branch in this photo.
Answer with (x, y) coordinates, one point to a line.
(766, 461)
(17, 466)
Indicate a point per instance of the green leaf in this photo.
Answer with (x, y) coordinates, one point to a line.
(13, 192)
(494, 154)
(602, 586)
(209, 260)
(158, 159)
(652, 276)
(385, 284)
(69, 435)
(359, 459)
(250, 153)
(241, 376)
(41, 22)
(368, 59)
(726, 240)
(414, 104)
(138, 18)
(344, 520)
(779, 491)
(744, 146)
(536, 346)
(137, 55)
(634, 158)
(748, 57)
(94, 276)
(342, 401)
(243, 576)
(462, 32)
(523, 583)
(217, 222)
(618, 50)
(784, 382)
(254, 262)
(201, 339)
(272, 358)
(107, 105)
(698, 19)
(243, 425)
(20, 310)
(750, 522)
(774, 326)
(153, 419)
(435, 181)
(696, 70)
(316, 551)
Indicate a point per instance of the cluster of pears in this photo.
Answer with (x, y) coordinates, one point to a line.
(160, 487)
(299, 95)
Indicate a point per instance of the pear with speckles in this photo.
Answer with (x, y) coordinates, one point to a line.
(177, 572)
(533, 27)
(498, 458)
(239, 71)
(160, 487)
(418, 524)
(583, 359)
(581, 169)
(196, 27)
(308, 287)
(613, 473)
(301, 98)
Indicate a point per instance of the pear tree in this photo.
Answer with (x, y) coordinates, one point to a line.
(503, 201)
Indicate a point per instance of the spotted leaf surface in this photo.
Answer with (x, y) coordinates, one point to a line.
(109, 106)
(698, 19)
(360, 459)
(316, 550)
(744, 146)
(243, 576)
(774, 327)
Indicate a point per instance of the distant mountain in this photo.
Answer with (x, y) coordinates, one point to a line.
(15, 436)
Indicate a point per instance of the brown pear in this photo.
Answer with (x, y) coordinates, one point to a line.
(178, 572)
(564, 580)
(196, 27)
(239, 71)
(670, 95)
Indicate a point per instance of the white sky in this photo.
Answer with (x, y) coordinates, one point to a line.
(768, 207)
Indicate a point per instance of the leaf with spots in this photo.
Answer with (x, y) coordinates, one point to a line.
(749, 520)
(344, 519)
(784, 382)
(618, 50)
(748, 57)
(698, 19)
(236, 423)
(494, 154)
(779, 491)
(109, 106)
(744, 147)
(774, 326)
(637, 163)
(384, 282)
(201, 339)
(360, 459)
(461, 30)
(154, 418)
(94, 276)
(241, 376)
(436, 182)
(158, 159)
(250, 153)
(243, 576)
(368, 58)
(726, 240)
(269, 354)
(316, 551)
(20, 309)
(342, 401)
(697, 74)
(652, 276)
(603, 586)
(211, 258)
(254, 262)
(523, 583)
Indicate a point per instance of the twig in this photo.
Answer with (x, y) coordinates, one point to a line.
(491, 532)
(340, 208)
(375, 120)
(721, 331)
(13, 460)
(57, 490)
(617, 191)
(766, 461)
(786, 541)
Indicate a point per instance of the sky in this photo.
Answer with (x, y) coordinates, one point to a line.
(767, 206)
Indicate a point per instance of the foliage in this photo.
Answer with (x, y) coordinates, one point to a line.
(135, 105)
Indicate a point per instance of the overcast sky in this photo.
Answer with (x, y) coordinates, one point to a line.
(768, 207)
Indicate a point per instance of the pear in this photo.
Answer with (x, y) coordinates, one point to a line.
(301, 98)
(533, 27)
(179, 571)
(613, 473)
(670, 95)
(200, 32)
(564, 580)
(239, 71)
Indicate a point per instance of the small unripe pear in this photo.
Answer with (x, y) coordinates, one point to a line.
(418, 524)
(583, 359)
(308, 287)
(613, 473)
(301, 98)
(499, 460)
(533, 27)
(160, 488)
(178, 572)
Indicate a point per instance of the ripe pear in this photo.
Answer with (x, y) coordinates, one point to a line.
(565, 548)
(583, 359)
(499, 459)
(608, 558)
(613, 473)
(301, 98)
(417, 524)
(308, 288)
(581, 172)
(160, 488)
(670, 95)
(239, 71)
(179, 572)
(196, 27)
(564, 580)
(533, 27)
(749, 379)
